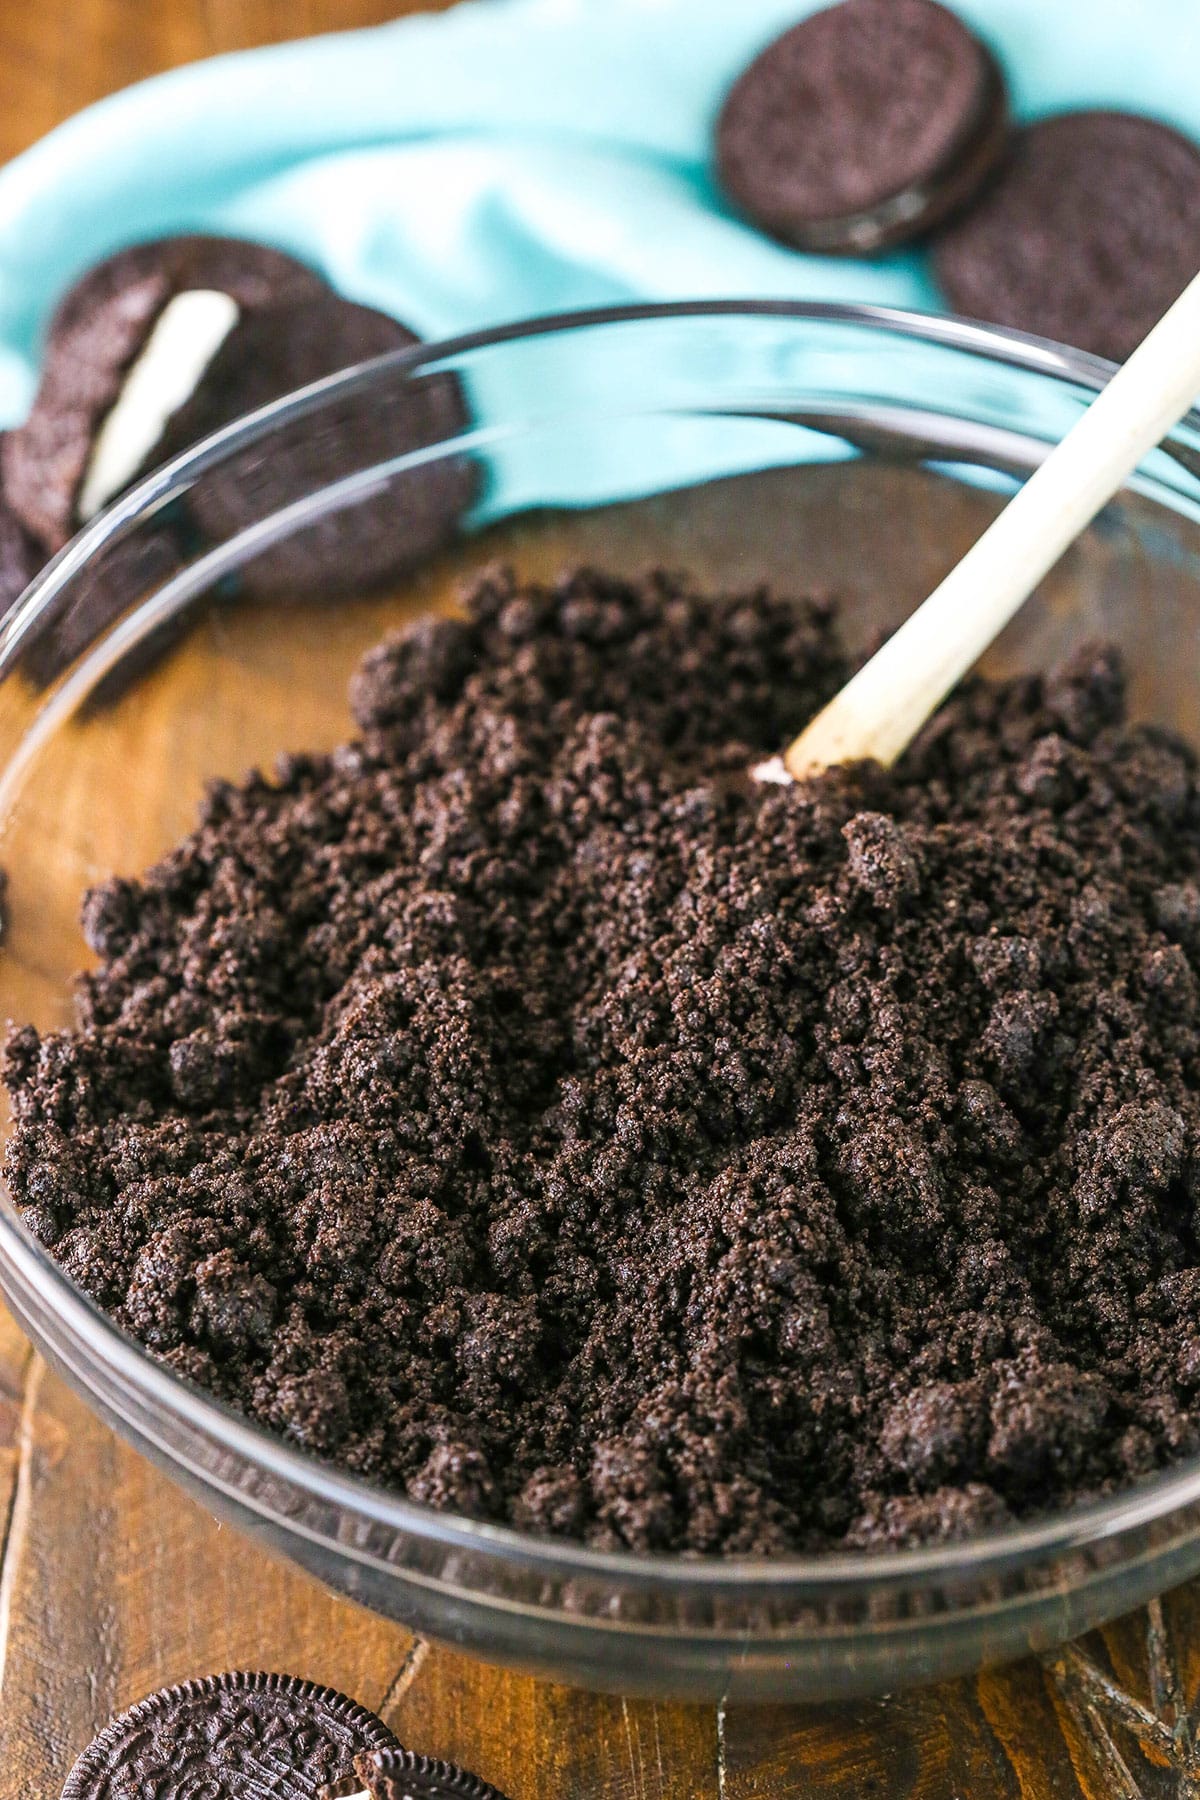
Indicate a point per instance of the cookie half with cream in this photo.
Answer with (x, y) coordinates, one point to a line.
(127, 345)
(168, 341)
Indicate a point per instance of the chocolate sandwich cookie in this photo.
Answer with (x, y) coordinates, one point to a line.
(403, 1775)
(238, 1736)
(124, 348)
(20, 558)
(120, 575)
(862, 126)
(123, 573)
(380, 536)
(1087, 235)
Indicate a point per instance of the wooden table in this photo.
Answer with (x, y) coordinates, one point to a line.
(111, 1583)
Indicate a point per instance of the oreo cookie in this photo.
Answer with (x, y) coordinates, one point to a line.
(121, 348)
(230, 1737)
(20, 558)
(1088, 233)
(379, 537)
(403, 1775)
(168, 341)
(122, 574)
(862, 126)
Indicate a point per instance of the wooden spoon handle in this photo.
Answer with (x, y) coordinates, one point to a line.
(879, 712)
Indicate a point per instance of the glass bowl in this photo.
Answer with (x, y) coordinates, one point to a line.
(839, 448)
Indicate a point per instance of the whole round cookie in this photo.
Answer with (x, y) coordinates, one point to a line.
(271, 354)
(862, 126)
(403, 1775)
(1087, 235)
(100, 331)
(229, 1737)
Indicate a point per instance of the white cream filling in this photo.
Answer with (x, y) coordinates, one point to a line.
(187, 335)
(772, 770)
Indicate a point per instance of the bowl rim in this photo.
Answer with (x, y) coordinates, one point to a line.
(991, 1552)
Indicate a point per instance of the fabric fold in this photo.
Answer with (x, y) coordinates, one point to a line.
(505, 158)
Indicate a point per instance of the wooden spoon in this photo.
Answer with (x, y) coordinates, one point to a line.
(881, 709)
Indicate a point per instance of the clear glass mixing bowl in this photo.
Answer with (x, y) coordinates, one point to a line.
(847, 449)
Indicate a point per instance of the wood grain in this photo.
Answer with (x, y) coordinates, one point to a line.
(111, 1583)
(534, 1739)
(60, 56)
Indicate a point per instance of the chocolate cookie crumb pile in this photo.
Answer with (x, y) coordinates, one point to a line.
(520, 1108)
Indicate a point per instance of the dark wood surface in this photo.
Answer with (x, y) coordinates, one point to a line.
(112, 1584)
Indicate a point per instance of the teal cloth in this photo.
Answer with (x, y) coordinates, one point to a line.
(508, 158)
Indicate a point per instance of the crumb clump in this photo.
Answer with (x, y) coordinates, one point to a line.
(521, 1109)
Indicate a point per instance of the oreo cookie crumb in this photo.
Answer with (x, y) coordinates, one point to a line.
(522, 1109)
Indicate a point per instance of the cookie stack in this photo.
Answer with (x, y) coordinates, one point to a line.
(169, 341)
(875, 123)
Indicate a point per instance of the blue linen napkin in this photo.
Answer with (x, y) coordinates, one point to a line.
(507, 158)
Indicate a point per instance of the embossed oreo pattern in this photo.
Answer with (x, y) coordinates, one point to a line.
(238, 1736)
